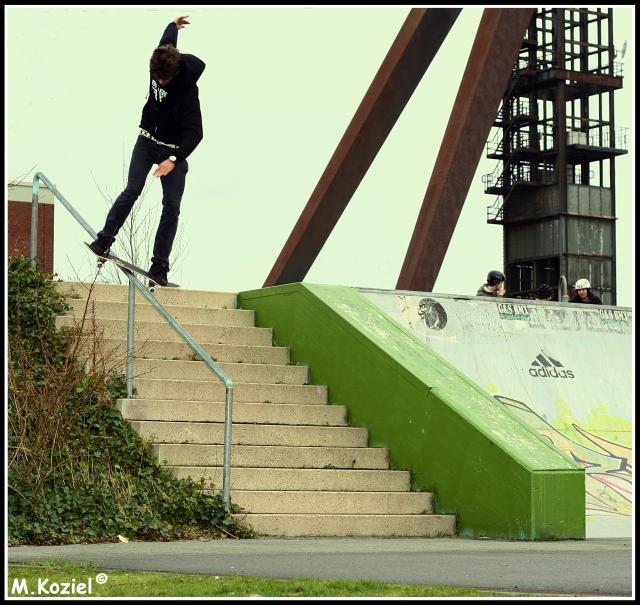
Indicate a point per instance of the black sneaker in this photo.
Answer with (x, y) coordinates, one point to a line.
(158, 272)
(102, 245)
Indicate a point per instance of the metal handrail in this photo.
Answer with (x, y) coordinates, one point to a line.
(134, 283)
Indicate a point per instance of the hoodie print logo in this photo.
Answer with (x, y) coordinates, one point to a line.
(158, 93)
(545, 366)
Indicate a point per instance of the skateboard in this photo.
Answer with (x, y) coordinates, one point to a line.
(131, 268)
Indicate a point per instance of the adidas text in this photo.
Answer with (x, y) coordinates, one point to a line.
(552, 373)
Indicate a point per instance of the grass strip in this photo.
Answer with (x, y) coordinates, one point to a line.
(62, 579)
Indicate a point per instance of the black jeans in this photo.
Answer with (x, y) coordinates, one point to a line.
(145, 154)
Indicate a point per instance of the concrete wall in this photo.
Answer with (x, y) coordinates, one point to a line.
(480, 459)
(19, 223)
(564, 369)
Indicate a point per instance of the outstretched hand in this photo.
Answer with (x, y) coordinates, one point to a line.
(181, 21)
(164, 168)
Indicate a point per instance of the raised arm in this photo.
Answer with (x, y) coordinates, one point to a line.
(170, 35)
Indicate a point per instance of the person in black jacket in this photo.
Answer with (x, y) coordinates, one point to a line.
(583, 293)
(170, 129)
(494, 285)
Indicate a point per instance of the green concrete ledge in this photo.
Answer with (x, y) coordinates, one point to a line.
(499, 477)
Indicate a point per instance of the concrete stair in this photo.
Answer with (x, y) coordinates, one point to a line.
(298, 468)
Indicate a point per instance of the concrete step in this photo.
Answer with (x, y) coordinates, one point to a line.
(171, 410)
(238, 372)
(273, 456)
(212, 433)
(298, 479)
(167, 296)
(153, 330)
(145, 312)
(319, 502)
(230, 353)
(213, 390)
(307, 525)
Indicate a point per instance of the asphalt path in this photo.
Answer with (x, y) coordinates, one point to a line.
(594, 567)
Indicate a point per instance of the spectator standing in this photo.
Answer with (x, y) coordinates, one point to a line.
(494, 285)
(583, 293)
(544, 292)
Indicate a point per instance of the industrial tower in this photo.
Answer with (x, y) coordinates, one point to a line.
(556, 142)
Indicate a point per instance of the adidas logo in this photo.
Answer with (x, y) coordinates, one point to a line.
(545, 366)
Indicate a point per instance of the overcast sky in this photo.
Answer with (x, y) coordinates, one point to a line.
(280, 88)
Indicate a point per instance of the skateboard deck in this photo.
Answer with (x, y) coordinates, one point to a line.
(130, 267)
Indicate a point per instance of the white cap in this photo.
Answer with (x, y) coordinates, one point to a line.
(582, 284)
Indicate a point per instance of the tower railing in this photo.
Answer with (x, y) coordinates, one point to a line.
(549, 59)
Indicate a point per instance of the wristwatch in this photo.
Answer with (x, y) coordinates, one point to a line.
(173, 158)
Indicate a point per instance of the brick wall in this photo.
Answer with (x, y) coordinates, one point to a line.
(19, 224)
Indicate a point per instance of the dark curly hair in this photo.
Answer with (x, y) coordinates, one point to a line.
(544, 291)
(165, 62)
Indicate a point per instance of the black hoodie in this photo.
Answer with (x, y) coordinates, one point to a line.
(172, 113)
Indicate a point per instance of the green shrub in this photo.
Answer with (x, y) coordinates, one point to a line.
(78, 472)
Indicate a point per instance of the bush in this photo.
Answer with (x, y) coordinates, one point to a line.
(78, 472)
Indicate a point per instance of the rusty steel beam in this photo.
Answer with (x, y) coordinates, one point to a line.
(410, 55)
(484, 82)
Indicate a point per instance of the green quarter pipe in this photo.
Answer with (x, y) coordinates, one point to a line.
(480, 457)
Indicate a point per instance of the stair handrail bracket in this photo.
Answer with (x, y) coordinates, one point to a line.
(137, 284)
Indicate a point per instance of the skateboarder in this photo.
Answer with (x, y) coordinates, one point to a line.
(170, 129)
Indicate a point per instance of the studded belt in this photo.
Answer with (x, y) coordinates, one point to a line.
(144, 133)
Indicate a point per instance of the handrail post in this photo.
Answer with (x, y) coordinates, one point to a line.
(35, 190)
(226, 460)
(130, 337)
